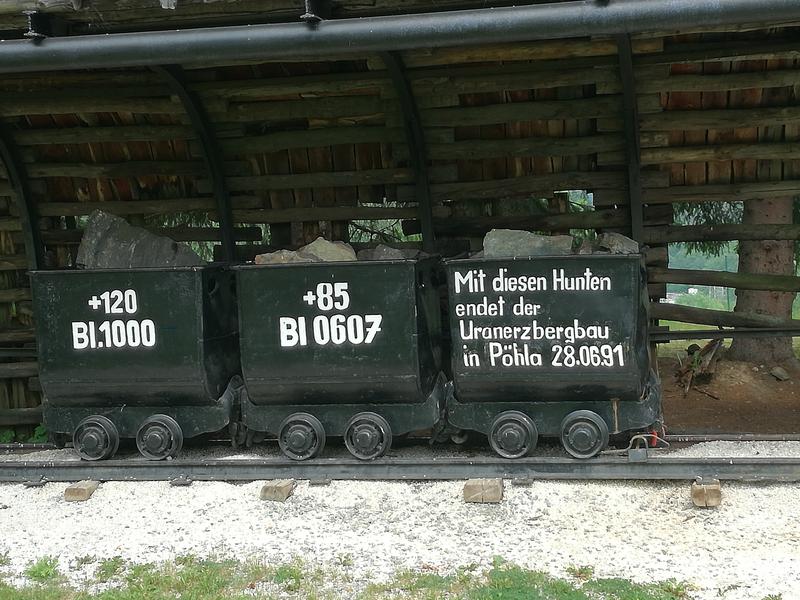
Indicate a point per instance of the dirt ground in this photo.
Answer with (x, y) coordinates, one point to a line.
(739, 398)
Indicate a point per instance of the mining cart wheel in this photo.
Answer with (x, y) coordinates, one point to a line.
(159, 437)
(368, 436)
(584, 433)
(301, 436)
(513, 434)
(96, 438)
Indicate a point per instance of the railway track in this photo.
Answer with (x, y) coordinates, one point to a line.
(634, 465)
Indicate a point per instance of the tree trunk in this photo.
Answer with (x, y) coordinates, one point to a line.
(776, 258)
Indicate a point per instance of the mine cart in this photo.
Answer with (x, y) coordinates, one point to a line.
(552, 346)
(149, 354)
(339, 349)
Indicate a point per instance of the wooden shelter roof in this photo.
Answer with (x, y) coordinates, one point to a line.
(312, 147)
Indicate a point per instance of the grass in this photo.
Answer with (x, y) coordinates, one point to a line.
(200, 579)
(43, 570)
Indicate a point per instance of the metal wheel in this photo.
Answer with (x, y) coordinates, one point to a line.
(159, 437)
(513, 434)
(301, 436)
(584, 433)
(96, 438)
(368, 436)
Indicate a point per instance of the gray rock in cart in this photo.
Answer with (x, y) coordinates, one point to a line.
(510, 243)
(616, 243)
(383, 252)
(321, 250)
(281, 257)
(110, 242)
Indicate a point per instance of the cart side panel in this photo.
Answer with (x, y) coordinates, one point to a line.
(331, 333)
(548, 329)
(144, 349)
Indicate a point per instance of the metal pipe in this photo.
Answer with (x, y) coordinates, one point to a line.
(378, 34)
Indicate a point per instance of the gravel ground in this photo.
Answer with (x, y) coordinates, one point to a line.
(646, 531)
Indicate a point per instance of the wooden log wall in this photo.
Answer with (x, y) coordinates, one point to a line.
(311, 147)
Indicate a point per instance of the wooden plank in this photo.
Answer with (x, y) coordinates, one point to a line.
(179, 234)
(86, 135)
(720, 233)
(704, 316)
(307, 108)
(687, 154)
(315, 180)
(141, 207)
(14, 336)
(729, 50)
(556, 222)
(309, 138)
(116, 170)
(14, 295)
(585, 108)
(61, 106)
(742, 281)
(517, 51)
(720, 119)
(330, 84)
(723, 192)
(18, 262)
(718, 83)
(15, 370)
(20, 416)
(545, 184)
(540, 146)
(334, 213)
(10, 224)
(501, 78)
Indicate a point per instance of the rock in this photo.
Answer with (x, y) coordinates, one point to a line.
(586, 247)
(616, 243)
(281, 257)
(509, 243)
(80, 491)
(110, 242)
(780, 374)
(383, 252)
(319, 482)
(321, 250)
(706, 493)
(483, 491)
(278, 490)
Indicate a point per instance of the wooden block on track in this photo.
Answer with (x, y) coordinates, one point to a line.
(80, 491)
(483, 491)
(706, 493)
(278, 490)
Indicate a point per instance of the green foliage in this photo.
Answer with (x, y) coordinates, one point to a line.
(708, 213)
(381, 231)
(39, 435)
(109, 568)
(7, 436)
(583, 573)
(5, 559)
(43, 570)
(200, 579)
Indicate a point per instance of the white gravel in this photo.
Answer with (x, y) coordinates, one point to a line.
(748, 548)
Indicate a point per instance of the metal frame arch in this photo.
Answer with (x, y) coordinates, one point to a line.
(28, 215)
(417, 147)
(212, 154)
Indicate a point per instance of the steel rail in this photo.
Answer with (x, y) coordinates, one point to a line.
(362, 36)
(603, 468)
